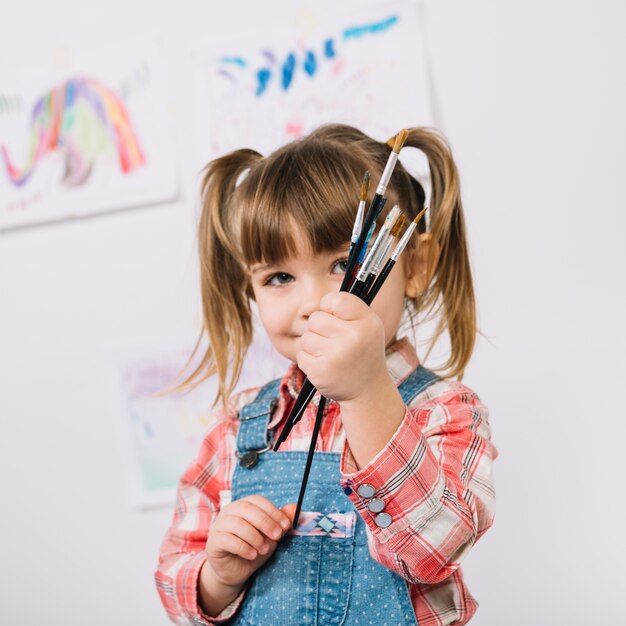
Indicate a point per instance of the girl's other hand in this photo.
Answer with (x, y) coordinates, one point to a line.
(241, 539)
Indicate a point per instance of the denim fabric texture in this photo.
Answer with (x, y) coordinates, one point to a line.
(321, 574)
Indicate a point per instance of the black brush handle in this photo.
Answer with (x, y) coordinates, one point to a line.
(304, 397)
(309, 458)
(366, 286)
(371, 294)
(356, 288)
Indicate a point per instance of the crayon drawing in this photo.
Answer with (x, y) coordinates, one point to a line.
(165, 431)
(369, 72)
(83, 119)
(91, 141)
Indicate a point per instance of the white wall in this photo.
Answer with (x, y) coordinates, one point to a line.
(531, 95)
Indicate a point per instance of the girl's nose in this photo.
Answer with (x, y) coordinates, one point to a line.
(311, 296)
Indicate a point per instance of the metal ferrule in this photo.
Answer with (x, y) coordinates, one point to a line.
(388, 171)
(397, 251)
(365, 267)
(358, 222)
(381, 239)
(383, 254)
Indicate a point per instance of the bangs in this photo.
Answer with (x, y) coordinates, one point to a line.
(312, 188)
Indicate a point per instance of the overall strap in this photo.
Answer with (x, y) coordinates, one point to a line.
(254, 418)
(415, 383)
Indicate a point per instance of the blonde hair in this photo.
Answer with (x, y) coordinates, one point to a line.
(314, 182)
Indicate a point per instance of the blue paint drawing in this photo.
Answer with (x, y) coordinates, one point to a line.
(376, 27)
(310, 63)
(329, 49)
(263, 76)
(235, 61)
(288, 68)
(226, 74)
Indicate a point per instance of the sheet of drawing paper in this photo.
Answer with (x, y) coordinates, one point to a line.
(82, 132)
(163, 433)
(359, 64)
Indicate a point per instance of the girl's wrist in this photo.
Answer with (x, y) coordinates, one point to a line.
(371, 420)
(214, 594)
(379, 392)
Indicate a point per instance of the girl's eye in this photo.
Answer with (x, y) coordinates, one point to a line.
(341, 266)
(280, 278)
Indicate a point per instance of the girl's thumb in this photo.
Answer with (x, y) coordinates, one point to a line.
(289, 510)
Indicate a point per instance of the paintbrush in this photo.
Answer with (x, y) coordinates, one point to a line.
(358, 220)
(309, 458)
(371, 294)
(375, 208)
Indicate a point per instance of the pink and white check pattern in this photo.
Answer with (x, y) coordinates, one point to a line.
(435, 477)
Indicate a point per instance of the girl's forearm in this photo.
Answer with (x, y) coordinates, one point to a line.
(371, 420)
(213, 595)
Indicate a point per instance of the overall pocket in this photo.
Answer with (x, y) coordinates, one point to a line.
(308, 579)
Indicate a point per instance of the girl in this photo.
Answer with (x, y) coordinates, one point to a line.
(401, 484)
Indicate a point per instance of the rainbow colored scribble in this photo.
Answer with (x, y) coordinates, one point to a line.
(309, 61)
(83, 118)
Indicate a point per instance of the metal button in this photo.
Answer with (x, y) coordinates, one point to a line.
(376, 505)
(249, 459)
(366, 491)
(383, 520)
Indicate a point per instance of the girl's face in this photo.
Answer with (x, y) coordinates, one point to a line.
(288, 292)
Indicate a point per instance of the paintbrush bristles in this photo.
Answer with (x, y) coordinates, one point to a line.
(407, 235)
(397, 227)
(400, 140)
(365, 186)
(419, 216)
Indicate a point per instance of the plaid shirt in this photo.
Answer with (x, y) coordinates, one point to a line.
(435, 474)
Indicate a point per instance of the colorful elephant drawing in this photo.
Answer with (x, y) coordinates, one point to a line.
(84, 119)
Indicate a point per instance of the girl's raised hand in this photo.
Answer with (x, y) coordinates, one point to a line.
(241, 539)
(343, 350)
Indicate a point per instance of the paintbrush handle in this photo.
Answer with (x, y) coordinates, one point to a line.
(309, 458)
(366, 286)
(356, 288)
(371, 294)
(302, 401)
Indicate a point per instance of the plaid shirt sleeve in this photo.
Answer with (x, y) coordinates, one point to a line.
(197, 504)
(435, 479)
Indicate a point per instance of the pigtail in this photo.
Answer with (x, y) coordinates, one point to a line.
(451, 287)
(227, 318)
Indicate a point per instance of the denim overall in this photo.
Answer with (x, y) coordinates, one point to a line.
(322, 573)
